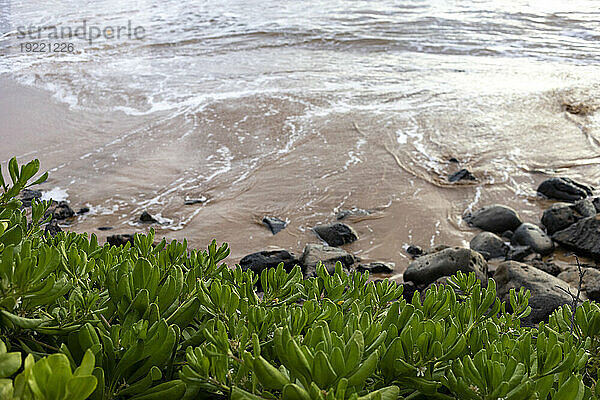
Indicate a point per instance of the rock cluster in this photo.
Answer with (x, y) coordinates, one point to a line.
(507, 249)
(58, 211)
(519, 247)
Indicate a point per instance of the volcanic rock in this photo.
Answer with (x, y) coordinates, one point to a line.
(336, 234)
(531, 235)
(564, 189)
(428, 268)
(494, 218)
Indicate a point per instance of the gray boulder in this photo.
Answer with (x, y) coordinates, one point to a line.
(596, 203)
(559, 217)
(582, 237)
(147, 217)
(62, 211)
(377, 267)
(428, 268)
(118, 240)
(409, 290)
(414, 251)
(261, 260)
(585, 208)
(519, 253)
(545, 296)
(274, 224)
(489, 245)
(52, 228)
(336, 234)
(531, 235)
(27, 196)
(494, 218)
(548, 267)
(590, 284)
(313, 253)
(564, 189)
(436, 248)
(460, 175)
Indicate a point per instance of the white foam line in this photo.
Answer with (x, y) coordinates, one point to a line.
(437, 232)
(475, 199)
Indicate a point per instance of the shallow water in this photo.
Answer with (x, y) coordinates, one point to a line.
(302, 109)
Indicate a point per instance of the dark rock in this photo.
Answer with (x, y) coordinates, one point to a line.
(414, 251)
(590, 284)
(274, 224)
(531, 235)
(492, 245)
(460, 175)
(585, 208)
(428, 268)
(582, 237)
(146, 217)
(62, 211)
(269, 259)
(118, 240)
(27, 196)
(559, 217)
(105, 228)
(352, 213)
(408, 291)
(494, 218)
(439, 282)
(52, 228)
(547, 267)
(377, 267)
(313, 253)
(83, 210)
(336, 234)
(190, 202)
(453, 160)
(443, 281)
(507, 235)
(436, 248)
(564, 189)
(545, 296)
(519, 253)
(596, 203)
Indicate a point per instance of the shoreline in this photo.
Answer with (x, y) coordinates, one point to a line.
(92, 154)
(499, 235)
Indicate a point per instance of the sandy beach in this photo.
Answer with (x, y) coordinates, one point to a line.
(259, 116)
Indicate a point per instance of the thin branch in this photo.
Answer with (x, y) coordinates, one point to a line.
(575, 299)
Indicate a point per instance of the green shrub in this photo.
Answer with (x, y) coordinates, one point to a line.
(161, 321)
(48, 378)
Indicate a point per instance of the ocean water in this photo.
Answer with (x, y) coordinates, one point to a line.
(302, 109)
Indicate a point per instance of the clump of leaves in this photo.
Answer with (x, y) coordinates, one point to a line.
(161, 321)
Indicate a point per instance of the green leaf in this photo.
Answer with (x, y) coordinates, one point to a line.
(324, 374)
(12, 236)
(386, 393)
(87, 364)
(9, 364)
(29, 170)
(269, 376)
(13, 170)
(241, 394)
(81, 387)
(572, 389)
(41, 179)
(21, 322)
(2, 183)
(358, 378)
(292, 392)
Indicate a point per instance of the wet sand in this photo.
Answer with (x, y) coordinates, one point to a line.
(119, 166)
